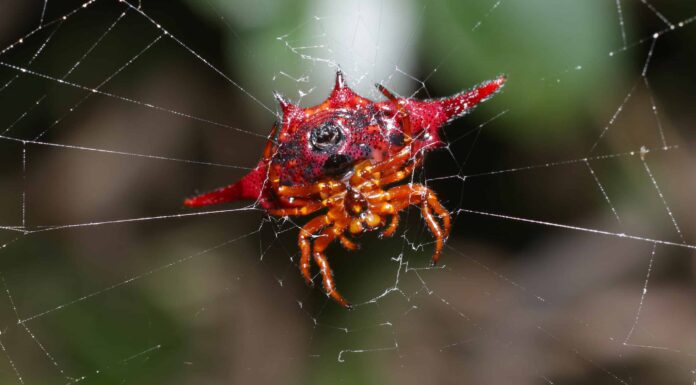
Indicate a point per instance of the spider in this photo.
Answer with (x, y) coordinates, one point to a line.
(346, 157)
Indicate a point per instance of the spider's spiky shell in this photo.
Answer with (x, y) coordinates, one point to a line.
(366, 130)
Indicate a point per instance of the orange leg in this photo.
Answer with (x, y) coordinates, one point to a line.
(309, 229)
(293, 202)
(393, 163)
(440, 210)
(425, 195)
(366, 171)
(431, 203)
(393, 225)
(347, 243)
(444, 215)
(327, 236)
(406, 195)
(304, 191)
(435, 229)
(308, 209)
(398, 175)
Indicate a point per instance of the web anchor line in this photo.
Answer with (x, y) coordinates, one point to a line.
(132, 279)
(642, 297)
(42, 229)
(123, 153)
(126, 99)
(662, 198)
(579, 228)
(197, 55)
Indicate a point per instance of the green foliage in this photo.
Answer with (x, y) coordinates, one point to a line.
(554, 52)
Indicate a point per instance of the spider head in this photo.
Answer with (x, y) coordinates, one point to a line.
(325, 141)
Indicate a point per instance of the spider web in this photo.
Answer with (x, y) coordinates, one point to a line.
(571, 192)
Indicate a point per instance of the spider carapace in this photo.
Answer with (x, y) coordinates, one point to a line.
(349, 161)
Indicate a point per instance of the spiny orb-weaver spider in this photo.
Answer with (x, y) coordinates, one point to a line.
(342, 155)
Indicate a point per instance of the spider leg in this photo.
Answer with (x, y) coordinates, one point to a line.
(430, 204)
(304, 191)
(389, 166)
(393, 225)
(440, 210)
(435, 229)
(393, 163)
(389, 178)
(405, 195)
(293, 202)
(306, 232)
(347, 243)
(444, 215)
(327, 236)
(304, 210)
(366, 172)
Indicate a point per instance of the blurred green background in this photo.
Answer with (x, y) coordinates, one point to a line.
(105, 282)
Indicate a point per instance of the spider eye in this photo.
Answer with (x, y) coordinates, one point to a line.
(326, 136)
